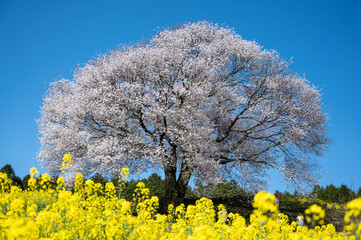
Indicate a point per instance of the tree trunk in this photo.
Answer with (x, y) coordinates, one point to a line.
(170, 185)
(175, 190)
(183, 181)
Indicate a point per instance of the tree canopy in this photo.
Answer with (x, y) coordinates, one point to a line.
(196, 101)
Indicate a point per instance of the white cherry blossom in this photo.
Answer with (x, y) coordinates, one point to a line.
(194, 101)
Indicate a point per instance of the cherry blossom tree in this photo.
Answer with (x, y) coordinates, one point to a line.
(197, 101)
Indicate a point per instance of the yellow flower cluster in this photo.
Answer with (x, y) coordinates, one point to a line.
(34, 172)
(122, 179)
(315, 215)
(5, 182)
(45, 181)
(110, 190)
(353, 216)
(140, 193)
(66, 163)
(60, 182)
(265, 206)
(32, 182)
(91, 212)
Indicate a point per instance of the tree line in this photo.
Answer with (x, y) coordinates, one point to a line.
(333, 194)
(225, 190)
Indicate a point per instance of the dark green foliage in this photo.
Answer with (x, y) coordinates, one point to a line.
(288, 197)
(25, 181)
(345, 194)
(220, 190)
(333, 194)
(130, 186)
(315, 190)
(8, 169)
(97, 178)
(17, 182)
(359, 192)
(329, 194)
(155, 184)
(190, 193)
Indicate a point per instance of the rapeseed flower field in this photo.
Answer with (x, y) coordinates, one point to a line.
(94, 212)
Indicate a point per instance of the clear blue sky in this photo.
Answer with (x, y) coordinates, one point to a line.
(41, 41)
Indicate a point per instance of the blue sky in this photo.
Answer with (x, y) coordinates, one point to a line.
(41, 41)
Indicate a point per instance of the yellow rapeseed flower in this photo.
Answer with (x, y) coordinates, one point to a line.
(34, 172)
(315, 214)
(265, 205)
(66, 162)
(87, 213)
(60, 183)
(5, 182)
